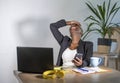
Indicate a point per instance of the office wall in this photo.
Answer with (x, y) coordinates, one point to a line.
(26, 23)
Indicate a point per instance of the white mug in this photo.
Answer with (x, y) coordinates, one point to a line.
(95, 61)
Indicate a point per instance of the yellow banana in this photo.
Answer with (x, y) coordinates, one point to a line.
(53, 74)
(60, 73)
(49, 74)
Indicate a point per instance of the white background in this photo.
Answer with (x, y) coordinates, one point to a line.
(26, 23)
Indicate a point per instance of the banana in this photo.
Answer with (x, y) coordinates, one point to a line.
(53, 74)
(49, 74)
(60, 73)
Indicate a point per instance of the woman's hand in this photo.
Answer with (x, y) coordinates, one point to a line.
(73, 23)
(77, 61)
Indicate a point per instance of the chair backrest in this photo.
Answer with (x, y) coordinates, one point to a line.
(116, 36)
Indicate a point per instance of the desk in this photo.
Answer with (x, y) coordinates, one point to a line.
(110, 76)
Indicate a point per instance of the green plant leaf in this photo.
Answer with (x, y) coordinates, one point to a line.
(104, 10)
(92, 18)
(101, 11)
(113, 9)
(102, 17)
(108, 9)
(112, 16)
(93, 9)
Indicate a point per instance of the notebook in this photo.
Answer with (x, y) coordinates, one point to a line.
(34, 59)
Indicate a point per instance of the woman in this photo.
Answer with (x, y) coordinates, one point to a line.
(69, 47)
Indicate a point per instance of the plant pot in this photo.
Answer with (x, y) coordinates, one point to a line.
(104, 45)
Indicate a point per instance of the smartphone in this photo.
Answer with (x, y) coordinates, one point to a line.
(79, 55)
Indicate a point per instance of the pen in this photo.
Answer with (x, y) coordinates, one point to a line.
(83, 69)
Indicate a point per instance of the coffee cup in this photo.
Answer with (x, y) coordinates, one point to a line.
(95, 61)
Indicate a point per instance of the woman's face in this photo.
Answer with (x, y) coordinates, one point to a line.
(75, 31)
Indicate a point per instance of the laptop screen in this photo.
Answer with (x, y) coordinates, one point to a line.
(34, 59)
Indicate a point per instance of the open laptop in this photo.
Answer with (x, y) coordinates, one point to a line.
(34, 59)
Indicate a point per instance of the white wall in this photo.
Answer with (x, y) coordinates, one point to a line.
(26, 23)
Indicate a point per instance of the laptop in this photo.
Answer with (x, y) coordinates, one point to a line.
(34, 59)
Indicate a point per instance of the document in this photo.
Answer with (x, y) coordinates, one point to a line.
(84, 70)
(87, 70)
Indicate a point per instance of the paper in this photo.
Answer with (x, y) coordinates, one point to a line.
(97, 69)
(84, 70)
(87, 70)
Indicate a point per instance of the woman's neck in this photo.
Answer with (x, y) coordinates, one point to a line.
(73, 46)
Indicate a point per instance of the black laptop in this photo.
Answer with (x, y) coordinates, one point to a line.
(34, 59)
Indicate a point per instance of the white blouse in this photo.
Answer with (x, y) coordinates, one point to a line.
(67, 56)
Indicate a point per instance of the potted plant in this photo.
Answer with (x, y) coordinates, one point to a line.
(101, 21)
